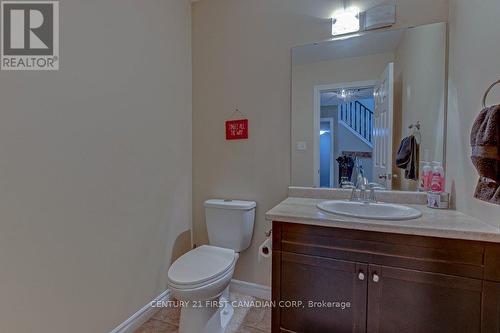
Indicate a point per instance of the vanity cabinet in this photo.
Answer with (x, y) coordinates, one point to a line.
(405, 300)
(361, 281)
(322, 276)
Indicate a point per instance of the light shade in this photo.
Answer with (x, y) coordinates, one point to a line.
(345, 21)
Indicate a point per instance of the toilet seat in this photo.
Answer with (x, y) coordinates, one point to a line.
(201, 266)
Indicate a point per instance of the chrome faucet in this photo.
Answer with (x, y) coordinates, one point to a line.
(364, 196)
(361, 184)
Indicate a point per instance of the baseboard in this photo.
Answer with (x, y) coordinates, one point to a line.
(144, 314)
(141, 316)
(251, 289)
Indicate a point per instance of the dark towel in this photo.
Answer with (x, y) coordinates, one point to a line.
(485, 142)
(346, 165)
(407, 157)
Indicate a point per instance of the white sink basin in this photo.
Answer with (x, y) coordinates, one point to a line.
(370, 210)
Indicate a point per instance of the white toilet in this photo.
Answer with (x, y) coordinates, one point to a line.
(201, 277)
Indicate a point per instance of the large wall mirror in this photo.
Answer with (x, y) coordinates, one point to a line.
(355, 99)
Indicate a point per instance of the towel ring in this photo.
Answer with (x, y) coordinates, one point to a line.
(488, 91)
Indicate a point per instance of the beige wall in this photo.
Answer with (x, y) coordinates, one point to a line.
(420, 91)
(474, 65)
(95, 173)
(241, 58)
(304, 78)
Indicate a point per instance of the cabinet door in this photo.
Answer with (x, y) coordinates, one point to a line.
(332, 292)
(401, 300)
(491, 307)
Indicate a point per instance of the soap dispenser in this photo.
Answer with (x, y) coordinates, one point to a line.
(426, 177)
(437, 182)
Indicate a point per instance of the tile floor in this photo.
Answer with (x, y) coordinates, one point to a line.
(244, 320)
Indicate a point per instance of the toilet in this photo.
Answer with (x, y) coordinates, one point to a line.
(201, 277)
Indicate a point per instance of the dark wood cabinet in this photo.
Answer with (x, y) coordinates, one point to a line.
(402, 300)
(343, 279)
(491, 307)
(392, 283)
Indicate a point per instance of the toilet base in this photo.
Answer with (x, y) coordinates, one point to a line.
(206, 316)
(227, 311)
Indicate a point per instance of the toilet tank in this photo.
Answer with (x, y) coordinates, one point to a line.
(230, 223)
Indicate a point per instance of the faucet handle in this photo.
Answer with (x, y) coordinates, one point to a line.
(376, 186)
(350, 186)
(373, 187)
(372, 196)
(354, 195)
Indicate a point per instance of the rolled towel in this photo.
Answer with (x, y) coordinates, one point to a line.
(485, 142)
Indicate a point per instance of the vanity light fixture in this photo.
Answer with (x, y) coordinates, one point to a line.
(345, 21)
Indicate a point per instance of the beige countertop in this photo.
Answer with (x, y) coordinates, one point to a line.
(433, 222)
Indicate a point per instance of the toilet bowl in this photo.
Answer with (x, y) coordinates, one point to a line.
(201, 277)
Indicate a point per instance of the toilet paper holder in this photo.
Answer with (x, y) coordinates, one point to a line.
(266, 248)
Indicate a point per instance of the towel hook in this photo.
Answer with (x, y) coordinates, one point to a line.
(417, 126)
(415, 131)
(488, 91)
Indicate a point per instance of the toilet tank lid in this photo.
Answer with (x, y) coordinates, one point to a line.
(230, 204)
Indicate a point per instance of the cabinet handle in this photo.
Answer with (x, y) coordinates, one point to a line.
(376, 278)
(361, 276)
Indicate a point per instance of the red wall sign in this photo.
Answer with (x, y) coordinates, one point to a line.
(237, 129)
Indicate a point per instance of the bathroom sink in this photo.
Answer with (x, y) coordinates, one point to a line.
(370, 210)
